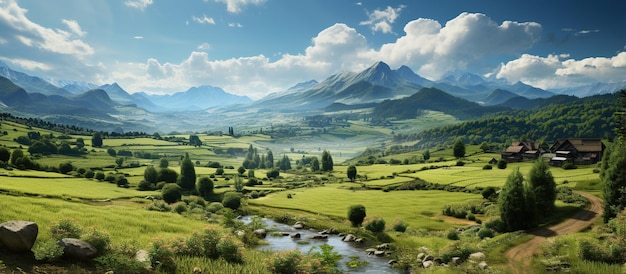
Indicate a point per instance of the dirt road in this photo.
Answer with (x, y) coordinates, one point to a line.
(520, 255)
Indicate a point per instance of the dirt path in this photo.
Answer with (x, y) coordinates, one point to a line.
(519, 256)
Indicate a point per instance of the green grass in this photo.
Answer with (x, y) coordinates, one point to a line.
(70, 187)
(123, 223)
(408, 206)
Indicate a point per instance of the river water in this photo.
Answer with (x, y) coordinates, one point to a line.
(347, 250)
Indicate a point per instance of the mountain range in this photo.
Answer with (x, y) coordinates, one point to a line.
(459, 93)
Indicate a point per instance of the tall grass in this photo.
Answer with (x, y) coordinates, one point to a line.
(70, 187)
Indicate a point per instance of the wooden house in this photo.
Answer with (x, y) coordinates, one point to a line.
(521, 151)
(580, 151)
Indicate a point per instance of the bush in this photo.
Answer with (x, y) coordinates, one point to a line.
(228, 249)
(219, 171)
(145, 185)
(99, 176)
(89, 174)
(502, 164)
(48, 251)
(65, 228)
(232, 200)
(496, 225)
(485, 233)
(356, 215)
(65, 168)
(568, 166)
(460, 163)
(487, 167)
(110, 178)
(400, 226)
(214, 207)
(99, 239)
(180, 208)
(453, 235)
(171, 193)
(489, 193)
(376, 225)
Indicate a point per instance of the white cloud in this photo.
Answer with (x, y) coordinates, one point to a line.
(204, 46)
(138, 37)
(74, 27)
(557, 72)
(28, 64)
(235, 25)
(382, 20)
(15, 24)
(203, 20)
(583, 32)
(138, 4)
(236, 6)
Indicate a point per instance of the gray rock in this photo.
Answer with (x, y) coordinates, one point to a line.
(427, 264)
(421, 255)
(296, 236)
(392, 262)
(477, 256)
(18, 236)
(370, 251)
(483, 265)
(383, 246)
(77, 249)
(298, 225)
(260, 233)
(359, 240)
(428, 258)
(456, 260)
(379, 253)
(319, 237)
(284, 234)
(349, 238)
(333, 231)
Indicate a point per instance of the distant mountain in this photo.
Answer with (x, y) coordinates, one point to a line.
(432, 99)
(197, 98)
(75, 87)
(31, 84)
(593, 89)
(520, 102)
(373, 84)
(476, 88)
(498, 96)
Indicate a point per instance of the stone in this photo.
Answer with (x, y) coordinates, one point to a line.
(18, 236)
(379, 253)
(349, 238)
(142, 256)
(298, 225)
(296, 236)
(437, 261)
(477, 256)
(77, 249)
(428, 258)
(456, 260)
(333, 231)
(260, 233)
(421, 255)
(483, 265)
(284, 234)
(383, 246)
(427, 264)
(370, 251)
(240, 233)
(359, 240)
(392, 262)
(319, 237)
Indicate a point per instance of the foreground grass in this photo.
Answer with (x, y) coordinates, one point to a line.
(123, 223)
(417, 208)
(70, 187)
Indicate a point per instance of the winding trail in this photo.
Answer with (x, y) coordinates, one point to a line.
(520, 255)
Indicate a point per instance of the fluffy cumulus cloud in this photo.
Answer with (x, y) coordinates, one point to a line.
(463, 41)
(236, 6)
(138, 4)
(382, 20)
(561, 71)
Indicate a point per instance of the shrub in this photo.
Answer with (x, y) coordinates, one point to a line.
(89, 174)
(502, 164)
(485, 233)
(48, 251)
(122, 181)
(453, 235)
(180, 208)
(65, 228)
(214, 207)
(489, 193)
(145, 185)
(110, 178)
(376, 225)
(487, 167)
(356, 215)
(99, 176)
(400, 226)
(460, 163)
(496, 225)
(232, 200)
(228, 249)
(99, 239)
(568, 166)
(219, 171)
(65, 168)
(171, 193)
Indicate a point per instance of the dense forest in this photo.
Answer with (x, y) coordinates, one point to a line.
(586, 117)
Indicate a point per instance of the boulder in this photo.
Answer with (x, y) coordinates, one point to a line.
(383, 246)
(260, 233)
(319, 237)
(483, 265)
(359, 240)
(421, 256)
(427, 264)
(18, 236)
(428, 258)
(77, 249)
(333, 231)
(392, 262)
(298, 225)
(370, 251)
(456, 260)
(349, 238)
(477, 256)
(295, 236)
(379, 253)
(284, 234)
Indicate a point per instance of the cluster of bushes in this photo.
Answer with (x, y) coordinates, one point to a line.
(50, 251)
(423, 185)
(567, 195)
(465, 210)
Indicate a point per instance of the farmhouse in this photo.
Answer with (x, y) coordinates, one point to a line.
(520, 151)
(582, 151)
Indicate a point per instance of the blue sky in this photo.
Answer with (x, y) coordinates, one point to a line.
(253, 47)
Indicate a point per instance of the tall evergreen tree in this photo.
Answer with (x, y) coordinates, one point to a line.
(315, 164)
(269, 162)
(151, 175)
(613, 168)
(327, 161)
(459, 148)
(351, 172)
(543, 187)
(187, 174)
(285, 163)
(516, 211)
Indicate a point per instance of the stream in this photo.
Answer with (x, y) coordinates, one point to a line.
(347, 250)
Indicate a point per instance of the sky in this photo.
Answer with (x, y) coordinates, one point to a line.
(255, 47)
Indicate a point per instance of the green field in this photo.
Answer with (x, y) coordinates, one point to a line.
(420, 209)
(70, 187)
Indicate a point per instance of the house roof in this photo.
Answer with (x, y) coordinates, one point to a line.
(514, 149)
(581, 144)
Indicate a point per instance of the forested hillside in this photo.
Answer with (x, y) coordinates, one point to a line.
(586, 117)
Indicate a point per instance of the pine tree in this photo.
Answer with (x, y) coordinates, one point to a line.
(187, 174)
(269, 162)
(613, 172)
(459, 149)
(327, 161)
(96, 140)
(543, 187)
(315, 164)
(351, 172)
(516, 211)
